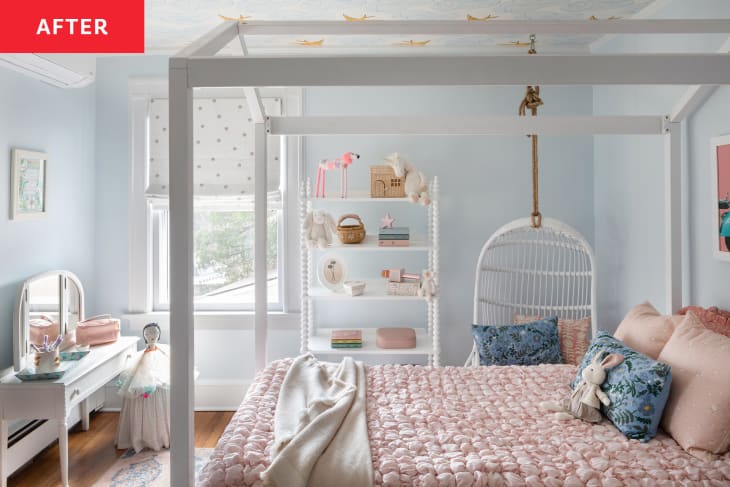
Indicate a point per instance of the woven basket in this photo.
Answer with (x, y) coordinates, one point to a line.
(350, 234)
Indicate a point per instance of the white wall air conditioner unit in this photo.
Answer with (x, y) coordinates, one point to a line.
(64, 70)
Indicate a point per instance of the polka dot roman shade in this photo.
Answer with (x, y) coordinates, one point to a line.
(223, 150)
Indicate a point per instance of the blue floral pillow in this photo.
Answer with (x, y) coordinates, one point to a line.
(527, 344)
(638, 388)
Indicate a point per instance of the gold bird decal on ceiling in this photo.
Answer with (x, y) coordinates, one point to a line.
(613, 17)
(471, 18)
(413, 43)
(358, 19)
(515, 44)
(307, 43)
(240, 18)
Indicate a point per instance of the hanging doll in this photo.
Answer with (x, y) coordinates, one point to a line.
(145, 420)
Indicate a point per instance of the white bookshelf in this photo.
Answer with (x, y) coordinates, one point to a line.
(371, 243)
(375, 289)
(315, 337)
(319, 342)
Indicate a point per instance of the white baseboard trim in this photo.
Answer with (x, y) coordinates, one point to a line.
(220, 395)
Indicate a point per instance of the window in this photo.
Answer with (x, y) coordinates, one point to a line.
(223, 277)
(223, 207)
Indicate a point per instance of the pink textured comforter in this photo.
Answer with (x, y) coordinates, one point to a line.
(461, 427)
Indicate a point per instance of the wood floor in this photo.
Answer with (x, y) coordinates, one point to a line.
(91, 453)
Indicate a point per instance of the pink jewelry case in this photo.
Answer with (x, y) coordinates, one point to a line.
(97, 330)
(395, 338)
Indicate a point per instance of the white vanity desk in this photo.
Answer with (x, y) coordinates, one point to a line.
(54, 399)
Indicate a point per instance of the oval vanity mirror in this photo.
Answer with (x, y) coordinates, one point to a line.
(51, 304)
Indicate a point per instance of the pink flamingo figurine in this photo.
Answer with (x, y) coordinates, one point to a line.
(341, 163)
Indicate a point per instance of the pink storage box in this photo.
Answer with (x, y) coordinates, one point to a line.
(395, 338)
(97, 330)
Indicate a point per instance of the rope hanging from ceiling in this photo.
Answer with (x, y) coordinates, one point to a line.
(531, 101)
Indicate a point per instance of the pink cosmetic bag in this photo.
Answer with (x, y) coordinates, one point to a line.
(97, 330)
(41, 326)
(395, 338)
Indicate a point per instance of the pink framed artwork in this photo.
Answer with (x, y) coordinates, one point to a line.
(720, 152)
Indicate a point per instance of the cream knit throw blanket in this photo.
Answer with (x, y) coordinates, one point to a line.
(320, 427)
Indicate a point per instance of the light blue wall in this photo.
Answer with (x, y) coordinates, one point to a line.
(37, 116)
(485, 183)
(113, 172)
(709, 277)
(485, 180)
(629, 188)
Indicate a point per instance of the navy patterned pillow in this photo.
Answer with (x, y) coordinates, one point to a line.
(638, 388)
(527, 344)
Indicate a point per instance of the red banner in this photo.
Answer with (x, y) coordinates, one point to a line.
(70, 26)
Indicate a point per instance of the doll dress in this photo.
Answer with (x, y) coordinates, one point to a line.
(144, 421)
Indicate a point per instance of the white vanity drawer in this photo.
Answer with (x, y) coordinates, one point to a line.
(90, 382)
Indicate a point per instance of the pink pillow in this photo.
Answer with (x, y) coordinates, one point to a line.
(697, 413)
(574, 336)
(646, 330)
(713, 318)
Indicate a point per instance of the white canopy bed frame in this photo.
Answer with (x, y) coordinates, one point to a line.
(198, 66)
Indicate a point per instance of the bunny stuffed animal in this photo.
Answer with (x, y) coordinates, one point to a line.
(319, 229)
(584, 401)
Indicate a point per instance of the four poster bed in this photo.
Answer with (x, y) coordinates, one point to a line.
(420, 430)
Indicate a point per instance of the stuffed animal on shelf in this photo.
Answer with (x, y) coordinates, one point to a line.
(319, 229)
(428, 285)
(341, 163)
(585, 401)
(415, 184)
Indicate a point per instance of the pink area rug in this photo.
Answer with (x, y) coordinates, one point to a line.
(146, 469)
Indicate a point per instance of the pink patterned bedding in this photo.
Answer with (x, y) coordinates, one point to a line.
(462, 427)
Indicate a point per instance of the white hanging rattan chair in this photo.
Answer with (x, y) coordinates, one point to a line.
(546, 271)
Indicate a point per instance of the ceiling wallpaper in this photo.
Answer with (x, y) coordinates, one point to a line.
(172, 24)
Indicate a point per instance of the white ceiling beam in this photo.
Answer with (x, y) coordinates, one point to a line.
(207, 45)
(695, 96)
(463, 27)
(649, 11)
(255, 105)
(609, 69)
(508, 125)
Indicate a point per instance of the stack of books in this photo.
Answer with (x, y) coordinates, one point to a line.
(394, 237)
(346, 339)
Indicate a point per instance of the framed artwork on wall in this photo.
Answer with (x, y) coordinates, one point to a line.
(720, 154)
(28, 192)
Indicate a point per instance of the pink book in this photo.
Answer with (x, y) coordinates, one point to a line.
(393, 243)
(346, 334)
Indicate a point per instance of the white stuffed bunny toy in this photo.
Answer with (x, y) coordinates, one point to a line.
(319, 229)
(585, 401)
(428, 286)
(416, 184)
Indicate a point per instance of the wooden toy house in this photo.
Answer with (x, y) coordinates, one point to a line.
(385, 184)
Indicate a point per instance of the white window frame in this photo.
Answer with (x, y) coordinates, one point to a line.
(142, 230)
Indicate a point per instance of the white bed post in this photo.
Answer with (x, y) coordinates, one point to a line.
(304, 208)
(181, 276)
(260, 219)
(673, 216)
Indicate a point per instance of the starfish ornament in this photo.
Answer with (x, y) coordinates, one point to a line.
(387, 221)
